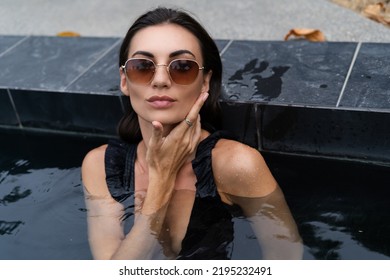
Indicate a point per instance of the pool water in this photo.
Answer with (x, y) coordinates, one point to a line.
(341, 208)
(42, 212)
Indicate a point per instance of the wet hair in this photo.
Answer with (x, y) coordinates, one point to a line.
(128, 127)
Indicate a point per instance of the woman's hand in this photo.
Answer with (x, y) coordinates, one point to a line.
(166, 155)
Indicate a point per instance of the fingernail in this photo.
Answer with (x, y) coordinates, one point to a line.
(205, 95)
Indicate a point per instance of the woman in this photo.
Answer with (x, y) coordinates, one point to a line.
(170, 187)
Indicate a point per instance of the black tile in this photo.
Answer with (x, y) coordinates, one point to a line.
(369, 83)
(293, 72)
(68, 111)
(103, 77)
(326, 132)
(240, 120)
(221, 44)
(125, 101)
(50, 63)
(7, 114)
(7, 42)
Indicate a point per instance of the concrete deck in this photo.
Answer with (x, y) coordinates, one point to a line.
(225, 19)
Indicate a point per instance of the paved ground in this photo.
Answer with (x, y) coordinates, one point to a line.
(225, 19)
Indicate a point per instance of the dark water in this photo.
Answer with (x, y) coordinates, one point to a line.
(341, 209)
(42, 211)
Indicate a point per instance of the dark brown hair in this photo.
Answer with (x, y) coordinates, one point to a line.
(128, 127)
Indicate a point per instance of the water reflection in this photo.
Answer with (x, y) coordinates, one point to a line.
(265, 222)
(336, 243)
(9, 227)
(40, 216)
(14, 195)
(341, 208)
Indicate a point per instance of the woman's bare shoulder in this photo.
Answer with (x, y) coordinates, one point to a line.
(93, 172)
(233, 158)
(241, 170)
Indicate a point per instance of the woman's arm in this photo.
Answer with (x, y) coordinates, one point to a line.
(103, 212)
(247, 181)
(105, 231)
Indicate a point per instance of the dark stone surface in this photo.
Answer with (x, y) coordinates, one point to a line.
(103, 77)
(70, 112)
(50, 63)
(277, 96)
(369, 83)
(293, 72)
(240, 120)
(7, 114)
(221, 44)
(7, 42)
(326, 132)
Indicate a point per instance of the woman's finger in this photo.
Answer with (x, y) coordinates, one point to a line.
(193, 114)
(157, 133)
(197, 133)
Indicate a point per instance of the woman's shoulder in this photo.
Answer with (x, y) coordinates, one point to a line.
(93, 172)
(94, 158)
(241, 170)
(230, 148)
(231, 155)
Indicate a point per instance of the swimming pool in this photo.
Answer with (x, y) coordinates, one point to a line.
(341, 208)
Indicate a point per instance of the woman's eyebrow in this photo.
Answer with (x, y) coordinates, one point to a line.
(179, 52)
(173, 54)
(144, 53)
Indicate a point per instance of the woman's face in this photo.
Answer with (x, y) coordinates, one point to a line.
(162, 99)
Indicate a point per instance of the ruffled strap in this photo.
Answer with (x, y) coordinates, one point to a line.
(202, 164)
(119, 166)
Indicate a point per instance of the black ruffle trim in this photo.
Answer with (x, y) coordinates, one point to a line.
(119, 162)
(202, 164)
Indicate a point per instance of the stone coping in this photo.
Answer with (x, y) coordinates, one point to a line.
(328, 99)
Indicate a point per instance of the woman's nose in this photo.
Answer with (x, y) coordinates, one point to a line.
(161, 76)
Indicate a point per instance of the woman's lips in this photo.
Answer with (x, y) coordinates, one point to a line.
(161, 102)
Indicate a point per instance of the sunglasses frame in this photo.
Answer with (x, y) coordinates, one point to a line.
(123, 67)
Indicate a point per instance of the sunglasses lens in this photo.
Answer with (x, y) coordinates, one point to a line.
(183, 72)
(140, 71)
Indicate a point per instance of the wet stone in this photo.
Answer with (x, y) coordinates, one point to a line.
(7, 42)
(68, 111)
(7, 114)
(369, 83)
(293, 72)
(102, 77)
(326, 132)
(50, 63)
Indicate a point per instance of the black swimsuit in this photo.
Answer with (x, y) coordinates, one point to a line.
(210, 230)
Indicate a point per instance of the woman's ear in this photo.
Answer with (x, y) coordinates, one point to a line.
(124, 88)
(206, 81)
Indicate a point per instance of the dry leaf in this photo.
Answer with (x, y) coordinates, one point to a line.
(68, 34)
(376, 12)
(313, 35)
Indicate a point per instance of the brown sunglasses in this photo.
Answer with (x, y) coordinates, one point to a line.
(142, 70)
